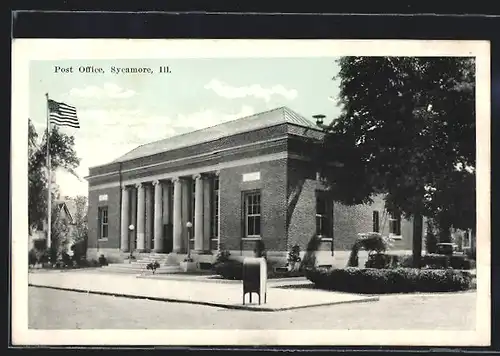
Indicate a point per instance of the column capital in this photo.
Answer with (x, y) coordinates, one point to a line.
(198, 176)
(138, 185)
(216, 173)
(156, 182)
(175, 179)
(124, 188)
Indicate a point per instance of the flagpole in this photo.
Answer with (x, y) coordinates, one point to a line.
(49, 195)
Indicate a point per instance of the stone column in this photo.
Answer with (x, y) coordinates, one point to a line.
(198, 213)
(158, 224)
(207, 213)
(133, 218)
(149, 221)
(219, 234)
(185, 211)
(124, 243)
(141, 205)
(177, 216)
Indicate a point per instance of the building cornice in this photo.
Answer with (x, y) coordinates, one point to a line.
(224, 144)
(218, 154)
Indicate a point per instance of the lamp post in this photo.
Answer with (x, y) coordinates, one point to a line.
(131, 241)
(189, 226)
(326, 129)
(319, 122)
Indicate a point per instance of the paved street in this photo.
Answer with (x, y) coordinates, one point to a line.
(54, 309)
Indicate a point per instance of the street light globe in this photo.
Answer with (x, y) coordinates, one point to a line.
(189, 224)
(131, 227)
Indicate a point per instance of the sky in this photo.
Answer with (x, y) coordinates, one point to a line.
(120, 111)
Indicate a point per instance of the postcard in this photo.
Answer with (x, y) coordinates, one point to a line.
(250, 192)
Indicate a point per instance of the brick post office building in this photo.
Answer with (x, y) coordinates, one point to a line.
(239, 182)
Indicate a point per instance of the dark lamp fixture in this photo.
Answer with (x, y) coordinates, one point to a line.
(319, 119)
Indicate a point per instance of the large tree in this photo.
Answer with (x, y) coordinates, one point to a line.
(407, 129)
(62, 155)
(80, 230)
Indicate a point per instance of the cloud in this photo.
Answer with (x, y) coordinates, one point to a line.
(108, 90)
(108, 134)
(255, 90)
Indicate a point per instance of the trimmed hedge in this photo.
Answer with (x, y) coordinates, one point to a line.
(430, 260)
(397, 280)
(446, 261)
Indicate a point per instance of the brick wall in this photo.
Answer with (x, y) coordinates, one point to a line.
(113, 204)
(348, 221)
(272, 186)
(302, 188)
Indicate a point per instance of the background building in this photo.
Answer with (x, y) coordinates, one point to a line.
(240, 182)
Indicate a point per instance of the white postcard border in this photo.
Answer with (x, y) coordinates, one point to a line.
(26, 50)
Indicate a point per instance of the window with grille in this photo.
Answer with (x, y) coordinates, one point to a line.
(103, 222)
(394, 223)
(252, 214)
(324, 213)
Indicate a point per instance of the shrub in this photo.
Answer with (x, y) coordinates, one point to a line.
(260, 249)
(438, 261)
(79, 249)
(32, 257)
(294, 256)
(66, 260)
(378, 260)
(373, 242)
(153, 266)
(398, 280)
(40, 244)
(462, 262)
(431, 239)
(230, 269)
(435, 261)
(470, 253)
(403, 261)
(309, 260)
(222, 255)
(429, 261)
(102, 261)
(93, 263)
(225, 267)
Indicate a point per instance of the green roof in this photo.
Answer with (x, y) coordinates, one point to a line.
(282, 115)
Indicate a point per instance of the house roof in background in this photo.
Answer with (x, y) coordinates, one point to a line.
(68, 206)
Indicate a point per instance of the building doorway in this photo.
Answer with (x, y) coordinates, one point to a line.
(168, 241)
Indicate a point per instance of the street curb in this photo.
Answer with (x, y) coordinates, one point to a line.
(220, 305)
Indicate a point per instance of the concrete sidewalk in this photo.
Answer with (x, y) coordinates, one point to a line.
(224, 295)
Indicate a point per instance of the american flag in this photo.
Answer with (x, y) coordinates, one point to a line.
(62, 114)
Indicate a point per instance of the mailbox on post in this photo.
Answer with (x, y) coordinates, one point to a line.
(255, 278)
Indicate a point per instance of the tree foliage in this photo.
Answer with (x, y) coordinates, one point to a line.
(407, 129)
(62, 155)
(80, 230)
(60, 235)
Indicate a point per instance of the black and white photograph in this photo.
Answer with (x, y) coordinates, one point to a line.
(274, 192)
